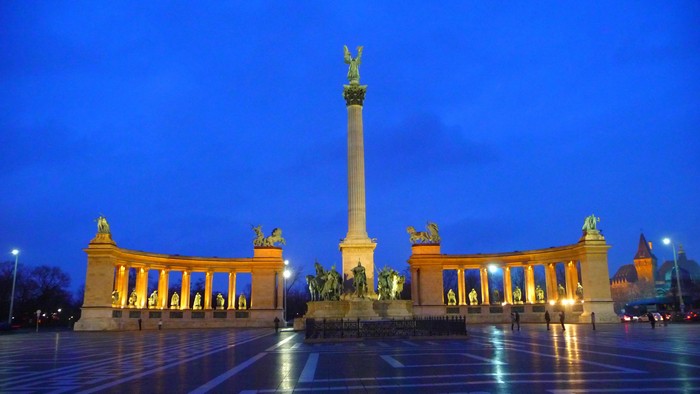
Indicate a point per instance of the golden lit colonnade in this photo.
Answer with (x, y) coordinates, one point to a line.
(585, 262)
(107, 305)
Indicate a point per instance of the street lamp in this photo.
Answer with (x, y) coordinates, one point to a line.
(678, 272)
(286, 274)
(14, 279)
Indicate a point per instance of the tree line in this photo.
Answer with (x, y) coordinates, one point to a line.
(43, 288)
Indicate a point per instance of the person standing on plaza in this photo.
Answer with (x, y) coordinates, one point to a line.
(139, 324)
(517, 320)
(652, 320)
(547, 318)
(277, 324)
(561, 320)
(512, 320)
(160, 324)
(593, 320)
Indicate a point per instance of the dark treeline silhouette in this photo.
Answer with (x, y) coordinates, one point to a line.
(42, 288)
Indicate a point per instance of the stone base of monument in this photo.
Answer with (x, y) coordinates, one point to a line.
(394, 308)
(359, 308)
(117, 319)
(97, 319)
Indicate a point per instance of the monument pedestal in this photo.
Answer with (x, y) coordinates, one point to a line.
(359, 308)
(354, 251)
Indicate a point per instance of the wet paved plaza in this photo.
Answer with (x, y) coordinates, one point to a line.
(615, 358)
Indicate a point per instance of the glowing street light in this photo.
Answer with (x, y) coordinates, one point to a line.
(15, 252)
(678, 272)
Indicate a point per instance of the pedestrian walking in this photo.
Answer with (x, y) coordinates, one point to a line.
(652, 320)
(512, 320)
(561, 320)
(593, 320)
(277, 324)
(547, 318)
(517, 320)
(160, 324)
(139, 324)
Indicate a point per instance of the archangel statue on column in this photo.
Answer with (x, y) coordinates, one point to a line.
(354, 69)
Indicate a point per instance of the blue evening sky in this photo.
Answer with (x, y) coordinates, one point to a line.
(507, 123)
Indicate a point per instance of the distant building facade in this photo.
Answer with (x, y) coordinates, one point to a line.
(644, 279)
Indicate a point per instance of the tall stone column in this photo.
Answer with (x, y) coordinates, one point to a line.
(231, 290)
(571, 275)
(357, 246)
(507, 286)
(207, 290)
(185, 290)
(141, 287)
(550, 277)
(530, 284)
(163, 285)
(460, 287)
(484, 279)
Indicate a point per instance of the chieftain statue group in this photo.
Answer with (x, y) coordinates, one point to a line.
(328, 285)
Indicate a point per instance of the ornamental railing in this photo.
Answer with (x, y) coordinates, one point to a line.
(357, 328)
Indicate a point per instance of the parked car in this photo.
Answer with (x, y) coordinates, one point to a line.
(692, 316)
(627, 318)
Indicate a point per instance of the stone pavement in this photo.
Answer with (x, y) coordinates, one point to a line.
(615, 358)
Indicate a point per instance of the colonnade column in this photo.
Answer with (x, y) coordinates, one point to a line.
(207, 290)
(141, 287)
(460, 287)
(163, 279)
(232, 290)
(484, 276)
(415, 285)
(185, 290)
(550, 276)
(121, 278)
(571, 279)
(507, 286)
(530, 284)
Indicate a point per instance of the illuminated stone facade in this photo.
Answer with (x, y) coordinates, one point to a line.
(106, 302)
(589, 255)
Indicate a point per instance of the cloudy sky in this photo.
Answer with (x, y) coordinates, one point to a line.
(507, 123)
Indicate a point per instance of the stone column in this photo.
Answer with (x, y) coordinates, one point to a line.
(415, 289)
(185, 290)
(141, 287)
(507, 286)
(232, 290)
(595, 279)
(121, 273)
(163, 285)
(357, 246)
(530, 284)
(460, 287)
(550, 276)
(484, 273)
(207, 290)
(571, 279)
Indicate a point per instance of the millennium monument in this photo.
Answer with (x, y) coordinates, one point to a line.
(356, 248)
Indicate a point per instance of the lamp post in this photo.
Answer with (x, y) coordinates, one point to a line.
(678, 272)
(286, 274)
(14, 279)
